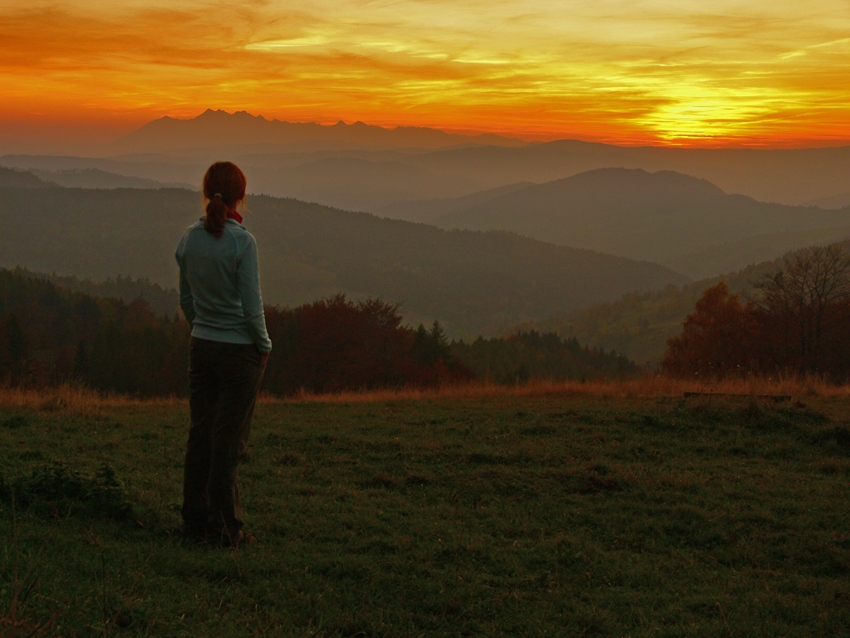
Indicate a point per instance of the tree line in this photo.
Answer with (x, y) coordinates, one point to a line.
(534, 355)
(797, 322)
(51, 335)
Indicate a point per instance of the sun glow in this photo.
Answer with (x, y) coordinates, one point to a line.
(732, 73)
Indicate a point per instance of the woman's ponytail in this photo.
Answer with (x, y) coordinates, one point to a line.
(224, 187)
(216, 215)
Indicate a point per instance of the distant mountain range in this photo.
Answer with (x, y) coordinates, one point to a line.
(362, 167)
(680, 221)
(77, 178)
(241, 130)
(789, 176)
(470, 281)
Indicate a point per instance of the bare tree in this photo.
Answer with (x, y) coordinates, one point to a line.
(804, 305)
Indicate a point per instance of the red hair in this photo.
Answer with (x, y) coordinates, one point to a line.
(224, 187)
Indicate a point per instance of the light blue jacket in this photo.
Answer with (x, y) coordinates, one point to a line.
(220, 285)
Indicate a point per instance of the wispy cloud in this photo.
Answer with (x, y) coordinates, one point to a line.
(633, 70)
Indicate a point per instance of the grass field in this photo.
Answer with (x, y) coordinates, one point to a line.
(559, 510)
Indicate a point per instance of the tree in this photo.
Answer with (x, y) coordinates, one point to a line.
(14, 350)
(430, 345)
(803, 309)
(717, 338)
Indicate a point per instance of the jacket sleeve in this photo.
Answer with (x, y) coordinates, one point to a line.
(187, 301)
(248, 277)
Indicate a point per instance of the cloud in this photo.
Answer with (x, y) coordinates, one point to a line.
(647, 69)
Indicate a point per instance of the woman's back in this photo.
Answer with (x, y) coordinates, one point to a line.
(221, 295)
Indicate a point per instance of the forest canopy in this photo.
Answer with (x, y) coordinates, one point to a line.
(51, 335)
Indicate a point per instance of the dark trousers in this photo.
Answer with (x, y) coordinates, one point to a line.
(224, 379)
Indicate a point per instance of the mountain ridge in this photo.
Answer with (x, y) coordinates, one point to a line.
(218, 128)
(471, 281)
(664, 216)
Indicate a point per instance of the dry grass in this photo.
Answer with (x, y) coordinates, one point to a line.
(648, 386)
(75, 400)
(84, 402)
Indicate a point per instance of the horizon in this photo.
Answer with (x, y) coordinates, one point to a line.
(736, 75)
(92, 141)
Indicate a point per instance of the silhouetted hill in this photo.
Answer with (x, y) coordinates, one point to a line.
(161, 168)
(665, 217)
(389, 176)
(469, 280)
(241, 130)
(16, 178)
(841, 200)
(429, 210)
(352, 180)
(790, 176)
(96, 178)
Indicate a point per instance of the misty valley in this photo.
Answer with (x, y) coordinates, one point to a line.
(487, 236)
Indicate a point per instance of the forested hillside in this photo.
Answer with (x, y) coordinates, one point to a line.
(470, 281)
(639, 324)
(50, 335)
(15, 178)
(531, 355)
(163, 301)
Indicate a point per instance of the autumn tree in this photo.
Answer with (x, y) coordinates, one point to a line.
(336, 344)
(717, 338)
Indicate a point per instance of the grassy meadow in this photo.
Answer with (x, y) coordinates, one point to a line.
(621, 509)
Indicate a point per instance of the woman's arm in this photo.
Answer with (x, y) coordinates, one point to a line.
(248, 276)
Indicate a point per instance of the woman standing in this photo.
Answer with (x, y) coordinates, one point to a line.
(220, 297)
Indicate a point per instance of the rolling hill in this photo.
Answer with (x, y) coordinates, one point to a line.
(471, 281)
(13, 178)
(683, 222)
(96, 178)
(789, 176)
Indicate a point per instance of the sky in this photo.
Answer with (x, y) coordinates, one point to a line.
(662, 72)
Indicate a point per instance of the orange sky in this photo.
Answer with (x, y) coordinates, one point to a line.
(621, 71)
